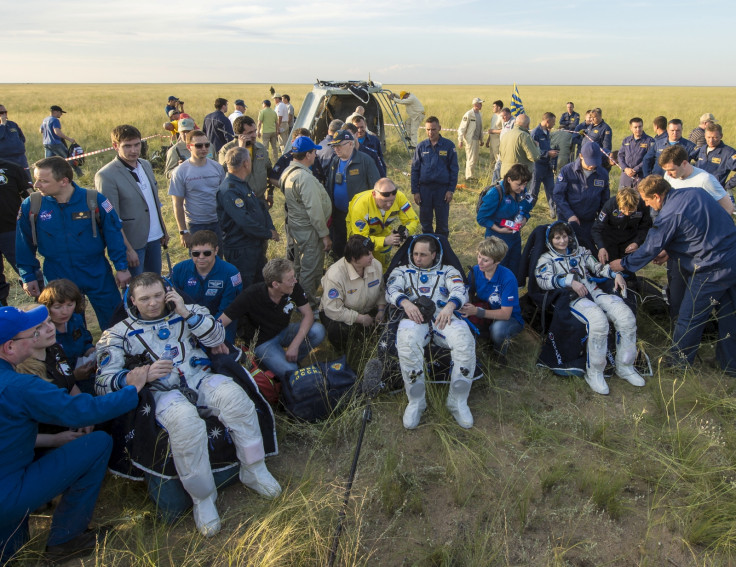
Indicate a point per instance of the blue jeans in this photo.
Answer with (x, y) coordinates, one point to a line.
(149, 258)
(83, 463)
(214, 227)
(502, 331)
(271, 353)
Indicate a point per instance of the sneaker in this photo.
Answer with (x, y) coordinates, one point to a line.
(597, 383)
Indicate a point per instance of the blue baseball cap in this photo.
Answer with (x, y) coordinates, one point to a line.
(592, 154)
(304, 144)
(14, 320)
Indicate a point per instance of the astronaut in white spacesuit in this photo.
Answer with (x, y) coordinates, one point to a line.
(440, 290)
(567, 265)
(161, 325)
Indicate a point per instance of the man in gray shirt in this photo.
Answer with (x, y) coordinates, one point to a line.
(193, 189)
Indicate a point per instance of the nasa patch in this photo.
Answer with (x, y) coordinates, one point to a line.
(333, 293)
(191, 282)
(44, 215)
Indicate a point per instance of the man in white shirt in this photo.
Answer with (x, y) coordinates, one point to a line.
(282, 126)
(679, 173)
(240, 108)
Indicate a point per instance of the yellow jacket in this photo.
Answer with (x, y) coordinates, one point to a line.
(364, 217)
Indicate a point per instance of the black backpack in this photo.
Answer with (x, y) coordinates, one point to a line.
(483, 194)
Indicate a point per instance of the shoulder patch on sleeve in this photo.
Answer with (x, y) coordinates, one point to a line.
(107, 205)
(360, 224)
(333, 293)
(236, 279)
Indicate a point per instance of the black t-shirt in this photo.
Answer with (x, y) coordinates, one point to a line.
(255, 311)
(13, 185)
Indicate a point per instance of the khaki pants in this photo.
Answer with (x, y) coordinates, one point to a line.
(413, 123)
(495, 150)
(472, 149)
(272, 139)
(309, 259)
(284, 137)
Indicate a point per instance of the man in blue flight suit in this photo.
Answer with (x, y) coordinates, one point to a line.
(570, 121)
(632, 152)
(72, 246)
(370, 141)
(434, 172)
(206, 279)
(76, 469)
(246, 223)
(700, 237)
(581, 191)
(598, 131)
(650, 165)
(545, 165)
(12, 140)
(717, 158)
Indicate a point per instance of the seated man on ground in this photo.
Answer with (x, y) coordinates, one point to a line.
(263, 312)
(566, 265)
(25, 484)
(384, 215)
(621, 226)
(353, 295)
(206, 279)
(160, 324)
(494, 295)
(430, 293)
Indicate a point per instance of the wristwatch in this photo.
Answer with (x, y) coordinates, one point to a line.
(183, 232)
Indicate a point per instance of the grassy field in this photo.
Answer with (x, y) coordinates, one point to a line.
(551, 474)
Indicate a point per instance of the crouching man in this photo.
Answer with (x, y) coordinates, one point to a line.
(171, 332)
(430, 292)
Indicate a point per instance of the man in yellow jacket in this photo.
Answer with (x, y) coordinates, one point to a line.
(378, 214)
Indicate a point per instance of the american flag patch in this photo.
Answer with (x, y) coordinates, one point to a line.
(107, 205)
(236, 279)
(406, 207)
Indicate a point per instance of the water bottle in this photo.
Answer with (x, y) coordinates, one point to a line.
(168, 353)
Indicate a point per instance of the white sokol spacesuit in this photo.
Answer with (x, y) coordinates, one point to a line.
(442, 284)
(556, 270)
(217, 395)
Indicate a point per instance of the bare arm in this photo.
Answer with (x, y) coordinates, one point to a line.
(181, 219)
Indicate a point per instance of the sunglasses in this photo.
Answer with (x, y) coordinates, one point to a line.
(3, 111)
(198, 253)
(389, 193)
(201, 145)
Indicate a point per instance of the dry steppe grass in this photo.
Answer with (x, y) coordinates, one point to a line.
(551, 474)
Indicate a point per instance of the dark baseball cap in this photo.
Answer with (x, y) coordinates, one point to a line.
(340, 136)
(239, 102)
(56, 108)
(592, 154)
(172, 97)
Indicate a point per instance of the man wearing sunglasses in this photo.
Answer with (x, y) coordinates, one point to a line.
(378, 214)
(208, 280)
(193, 190)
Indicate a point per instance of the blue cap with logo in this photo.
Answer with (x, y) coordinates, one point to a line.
(592, 154)
(303, 144)
(14, 320)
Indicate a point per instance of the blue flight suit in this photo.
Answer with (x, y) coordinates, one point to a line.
(76, 340)
(434, 171)
(374, 143)
(719, 162)
(498, 205)
(13, 144)
(75, 470)
(650, 165)
(576, 195)
(569, 120)
(543, 167)
(601, 134)
(215, 292)
(65, 240)
(700, 239)
(246, 228)
(631, 155)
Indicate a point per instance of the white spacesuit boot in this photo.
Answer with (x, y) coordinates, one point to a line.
(625, 357)
(236, 411)
(457, 401)
(415, 392)
(201, 487)
(597, 346)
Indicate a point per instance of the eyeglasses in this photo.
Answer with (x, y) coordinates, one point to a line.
(201, 145)
(3, 111)
(36, 333)
(198, 253)
(389, 193)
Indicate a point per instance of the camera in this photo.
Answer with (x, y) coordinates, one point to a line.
(403, 233)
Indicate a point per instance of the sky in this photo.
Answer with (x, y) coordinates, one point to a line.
(620, 42)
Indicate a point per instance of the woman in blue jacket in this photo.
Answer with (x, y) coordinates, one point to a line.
(504, 210)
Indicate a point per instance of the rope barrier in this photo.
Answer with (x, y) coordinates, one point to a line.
(95, 152)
